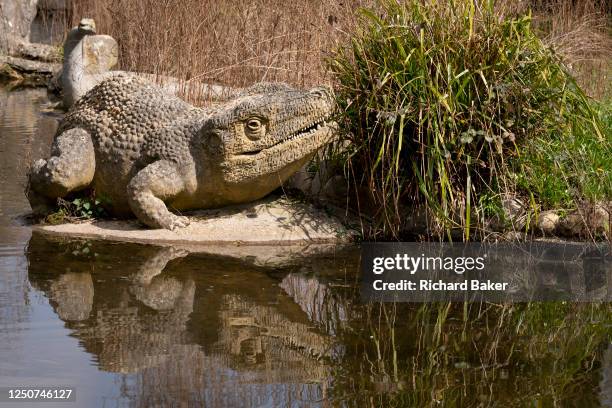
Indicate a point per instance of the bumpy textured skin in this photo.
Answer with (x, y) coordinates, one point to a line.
(142, 150)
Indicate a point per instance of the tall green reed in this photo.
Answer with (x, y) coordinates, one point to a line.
(443, 103)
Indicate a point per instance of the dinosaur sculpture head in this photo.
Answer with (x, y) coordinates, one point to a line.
(87, 26)
(86, 56)
(267, 132)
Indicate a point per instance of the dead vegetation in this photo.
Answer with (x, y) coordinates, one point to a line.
(239, 42)
(233, 43)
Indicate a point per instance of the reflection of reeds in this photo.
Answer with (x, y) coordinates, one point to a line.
(470, 354)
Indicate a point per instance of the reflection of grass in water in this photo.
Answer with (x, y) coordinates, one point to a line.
(475, 354)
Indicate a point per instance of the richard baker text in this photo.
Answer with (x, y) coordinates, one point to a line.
(430, 285)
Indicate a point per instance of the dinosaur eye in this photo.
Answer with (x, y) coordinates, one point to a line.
(253, 124)
(254, 128)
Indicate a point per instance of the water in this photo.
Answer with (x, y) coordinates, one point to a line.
(146, 326)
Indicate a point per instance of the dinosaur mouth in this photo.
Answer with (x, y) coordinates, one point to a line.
(87, 27)
(305, 132)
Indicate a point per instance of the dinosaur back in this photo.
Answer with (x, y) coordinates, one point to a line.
(121, 111)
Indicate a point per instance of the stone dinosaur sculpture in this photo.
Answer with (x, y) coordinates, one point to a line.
(90, 58)
(140, 148)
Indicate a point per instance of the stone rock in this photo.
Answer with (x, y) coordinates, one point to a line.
(573, 225)
(301, 180)
(513, 236)
(16, 18)
(270, 221)
(311, 181)
(101, 54)
(548, 222)
(87, 58)
(599, 219)
(31, 67)
(335, 189)
(19, 73)
(589, 221)
(514, 212)
(327, 184)
(37, 21)
(39, 52)
(8, 73)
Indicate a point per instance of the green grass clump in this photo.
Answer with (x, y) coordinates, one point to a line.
(78, 209)
(565, 167)
(453, 106)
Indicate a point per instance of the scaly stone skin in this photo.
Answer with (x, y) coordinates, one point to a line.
(144, 150)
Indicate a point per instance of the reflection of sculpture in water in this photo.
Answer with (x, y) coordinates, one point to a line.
(130, 324)
(317, 300)
(199, 329)
(73, 293)
(161, 292)
(260, 338)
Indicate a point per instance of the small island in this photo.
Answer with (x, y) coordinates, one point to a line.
(262, 203)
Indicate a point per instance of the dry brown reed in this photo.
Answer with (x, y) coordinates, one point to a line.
(580, 31)
(233, 43)
(239, 42)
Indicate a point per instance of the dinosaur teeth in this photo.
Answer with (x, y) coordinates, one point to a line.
(309, 129)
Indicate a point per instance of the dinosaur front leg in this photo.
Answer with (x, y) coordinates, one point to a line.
(147, 191)
(71, 167)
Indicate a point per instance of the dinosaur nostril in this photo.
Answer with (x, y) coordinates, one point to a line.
(319, 92)
(322, 93)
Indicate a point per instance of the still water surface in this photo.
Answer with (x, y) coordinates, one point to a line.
(146, 326)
